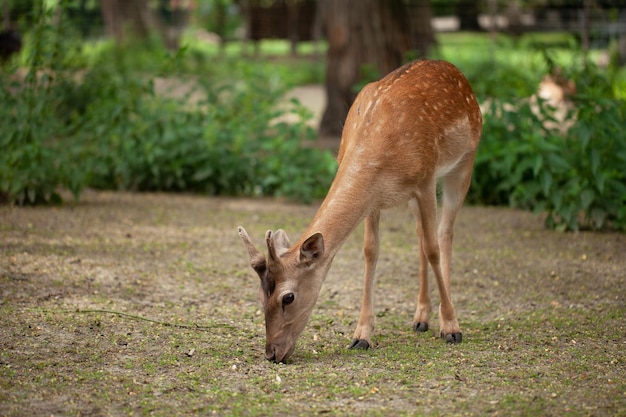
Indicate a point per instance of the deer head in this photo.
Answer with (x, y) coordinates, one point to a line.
(290, 283)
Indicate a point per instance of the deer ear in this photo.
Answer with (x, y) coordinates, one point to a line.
(281, 242)
(312, 249)
(277, 244)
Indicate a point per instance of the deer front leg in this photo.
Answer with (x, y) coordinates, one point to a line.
(364, 328)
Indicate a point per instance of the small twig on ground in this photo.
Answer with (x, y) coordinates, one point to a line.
(136, 317)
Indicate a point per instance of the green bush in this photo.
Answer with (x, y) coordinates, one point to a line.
(36, 159)
(577, 178)
(501, 80)
(105, 127)
(231, 142)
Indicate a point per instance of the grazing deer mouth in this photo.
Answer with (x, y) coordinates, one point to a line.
(277, 353)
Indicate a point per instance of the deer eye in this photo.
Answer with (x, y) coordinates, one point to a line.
(288, 298)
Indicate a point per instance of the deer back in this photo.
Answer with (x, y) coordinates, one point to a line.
(413, 123)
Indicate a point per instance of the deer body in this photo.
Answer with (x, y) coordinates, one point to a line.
(418, 124)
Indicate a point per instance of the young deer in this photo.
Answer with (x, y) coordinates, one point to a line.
(416, 125)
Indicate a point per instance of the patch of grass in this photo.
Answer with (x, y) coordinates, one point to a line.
(532, 345)
(515, 368)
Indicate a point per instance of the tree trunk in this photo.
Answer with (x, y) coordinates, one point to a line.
(6, 15)
(118, 14)
(467, 11)
(138, 15)
(292, 26)
(621, 42)
(584, 36)
(113, 21)
(376, 33)
(422, 32)
(244, 10)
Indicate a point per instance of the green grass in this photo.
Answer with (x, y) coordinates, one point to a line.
(206, 60)
(522, 355)
(468, 48)
(519, 370)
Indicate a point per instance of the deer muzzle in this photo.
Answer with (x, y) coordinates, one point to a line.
(278, 353)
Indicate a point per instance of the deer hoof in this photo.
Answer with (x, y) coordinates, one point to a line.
(420, 327)
(360, 344)
(454, 337)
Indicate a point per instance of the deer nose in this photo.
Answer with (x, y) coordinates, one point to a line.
(270, 353)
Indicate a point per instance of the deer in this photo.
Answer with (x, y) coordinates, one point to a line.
(417, 126)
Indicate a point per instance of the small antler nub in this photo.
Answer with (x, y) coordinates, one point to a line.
(257, 259)
(252, 250)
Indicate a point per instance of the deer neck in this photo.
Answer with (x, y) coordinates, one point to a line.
(344, 207)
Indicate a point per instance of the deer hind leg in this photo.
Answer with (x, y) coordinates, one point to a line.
(364, 328)
(422, 313)
(454, 187)
(427, 201)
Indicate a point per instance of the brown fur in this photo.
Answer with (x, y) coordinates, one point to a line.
(419, 123)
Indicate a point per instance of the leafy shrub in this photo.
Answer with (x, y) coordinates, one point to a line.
(106, 127)
(35, 159)
(229, 143)
(495, 79)
(576, 178)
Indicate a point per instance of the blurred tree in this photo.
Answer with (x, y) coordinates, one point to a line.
(221, 17)
(6, 14)
(278, 19)
(467, 11)
(371, 35)
(86, 16)
(17, 14)
(420, 24)
(118, 14)
(137, 19)
(10, 39)
(621, 41)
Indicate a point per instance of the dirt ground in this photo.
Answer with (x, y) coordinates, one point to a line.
(144, 304)
(542, 314)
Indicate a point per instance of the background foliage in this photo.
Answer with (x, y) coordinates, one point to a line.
(86, 114)
(96, 121)
(575, 176)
